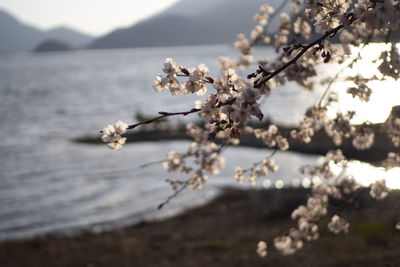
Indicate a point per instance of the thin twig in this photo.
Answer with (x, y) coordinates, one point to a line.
(145, 165)
(259, 162)
(163, 115)
(177, 192)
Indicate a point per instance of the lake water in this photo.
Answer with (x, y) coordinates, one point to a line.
(49, 184)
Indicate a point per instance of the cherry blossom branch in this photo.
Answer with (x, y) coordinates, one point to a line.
(164, 114)
(186, 183)
(304, 49)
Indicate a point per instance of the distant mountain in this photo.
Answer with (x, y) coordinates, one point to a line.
(189, 22)
(168, 30)
(16, 36)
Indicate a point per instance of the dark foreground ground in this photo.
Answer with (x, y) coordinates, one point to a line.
(225, 232)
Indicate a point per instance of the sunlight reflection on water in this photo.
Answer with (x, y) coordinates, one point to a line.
(385, 93)
(366, 174)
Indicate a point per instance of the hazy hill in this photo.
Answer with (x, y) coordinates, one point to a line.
(70, 36)
(156, 32)
(16, 36)
(188, 22)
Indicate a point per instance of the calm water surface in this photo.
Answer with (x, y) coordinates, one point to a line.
(49, 184)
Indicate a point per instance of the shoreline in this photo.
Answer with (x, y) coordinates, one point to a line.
(320, 145)
(224, 231)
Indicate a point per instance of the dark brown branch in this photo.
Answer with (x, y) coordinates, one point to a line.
(163, 115)
(304, 49)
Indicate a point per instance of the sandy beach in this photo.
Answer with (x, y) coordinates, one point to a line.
(225, 232)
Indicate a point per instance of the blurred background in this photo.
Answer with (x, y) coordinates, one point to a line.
(70, 67)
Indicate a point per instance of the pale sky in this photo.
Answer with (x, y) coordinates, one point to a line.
(89, 16)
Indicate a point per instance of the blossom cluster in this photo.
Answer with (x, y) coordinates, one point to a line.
(324, 169)
(194, 84)
(340, 127)
(363, 137)
(112, 135)
(270, 137)
(392, 127)
(347, 184)
(327, 14)
(338, 225)
(361, 90)
(310, 123)
(383, 14)
(390, 62)
(379, 190)
(393, 160)
(262, 249)
(258, 170)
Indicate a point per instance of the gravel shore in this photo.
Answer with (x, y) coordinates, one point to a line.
(226, 232)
